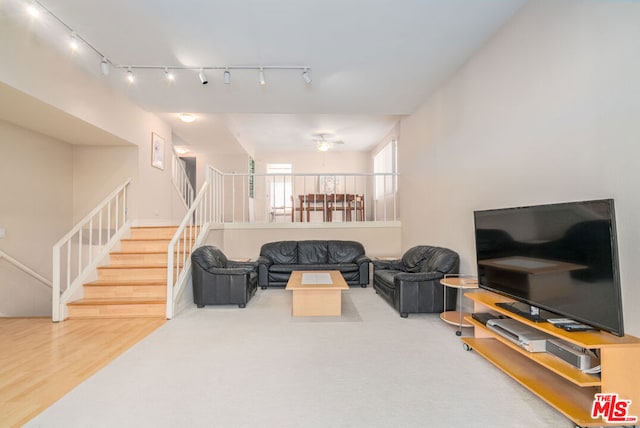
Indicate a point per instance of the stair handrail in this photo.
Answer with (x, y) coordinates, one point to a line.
(191, 232)
(180, 179)
(86, 263)
(26, 269)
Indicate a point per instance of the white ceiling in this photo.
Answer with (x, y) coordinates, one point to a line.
(371, 61)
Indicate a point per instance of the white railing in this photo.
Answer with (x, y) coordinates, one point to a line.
(215, 179)
(180, 179)
(26, 269)
(78, 252)
(190, 234)
(267, 198)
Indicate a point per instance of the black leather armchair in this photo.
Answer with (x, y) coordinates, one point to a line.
(219, 281)
(412, 284)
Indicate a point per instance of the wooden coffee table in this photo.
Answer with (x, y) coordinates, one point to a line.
(317, 293)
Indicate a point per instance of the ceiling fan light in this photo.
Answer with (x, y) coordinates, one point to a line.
(186, 117)
(323, 146)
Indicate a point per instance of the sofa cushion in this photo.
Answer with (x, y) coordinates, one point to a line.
(385, 277)
(312, 252)
(282, 252)
(344, 251)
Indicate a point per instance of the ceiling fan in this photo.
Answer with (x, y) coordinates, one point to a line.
(324, 142)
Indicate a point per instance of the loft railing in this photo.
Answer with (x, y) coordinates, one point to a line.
(268, 198)
(26, 269)
(190, 234)
(180, 179)
(78, 252)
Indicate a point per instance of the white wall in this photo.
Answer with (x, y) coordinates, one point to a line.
(547, 111)
(97, 171)
(36, 207)
(316, 162)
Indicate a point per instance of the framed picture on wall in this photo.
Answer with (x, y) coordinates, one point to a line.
(157, 151)
(329, 184)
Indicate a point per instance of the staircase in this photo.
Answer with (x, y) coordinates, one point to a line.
(134, 284)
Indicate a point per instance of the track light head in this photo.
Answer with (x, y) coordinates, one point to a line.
(306, 77)
(104, 66)
(261, 78)
(169, 75)
(227, 77)
(203, 77)
(73, 42)
(33, 11)
(130, 77)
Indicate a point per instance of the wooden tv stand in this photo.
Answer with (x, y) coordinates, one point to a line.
(559, 384)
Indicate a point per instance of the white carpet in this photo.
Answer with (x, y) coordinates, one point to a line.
(222, 366)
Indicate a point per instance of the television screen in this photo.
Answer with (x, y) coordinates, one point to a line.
(561, 258)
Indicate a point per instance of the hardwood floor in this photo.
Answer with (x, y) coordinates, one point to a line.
(40, 361)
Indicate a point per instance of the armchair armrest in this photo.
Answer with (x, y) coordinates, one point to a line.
(264, 263)
(395, 264)
(362, 259)
(264, 260)
(231, 271)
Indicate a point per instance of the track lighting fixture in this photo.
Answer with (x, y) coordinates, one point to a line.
(36, 9)
(130, 77)
(203, 77)
(104, 66)
(168, 75)
(305, 76)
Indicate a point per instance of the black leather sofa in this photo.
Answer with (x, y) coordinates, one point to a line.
(278, 259)
(412, 284)
(219, 281)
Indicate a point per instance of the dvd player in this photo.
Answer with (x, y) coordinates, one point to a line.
(522, 335)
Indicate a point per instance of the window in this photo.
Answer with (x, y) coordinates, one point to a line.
(280, 194)
(252, 171)
(385, 162)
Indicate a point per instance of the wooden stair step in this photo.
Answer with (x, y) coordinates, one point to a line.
(155, 259)
(128, 245)
(138, 232)
(130, 307)
(136, 282)
(123, 289)
(132, 272)
(117, 301)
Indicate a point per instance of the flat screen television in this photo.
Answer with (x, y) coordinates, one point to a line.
(557, 260)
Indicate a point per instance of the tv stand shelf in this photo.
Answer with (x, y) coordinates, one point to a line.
(559, 384)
